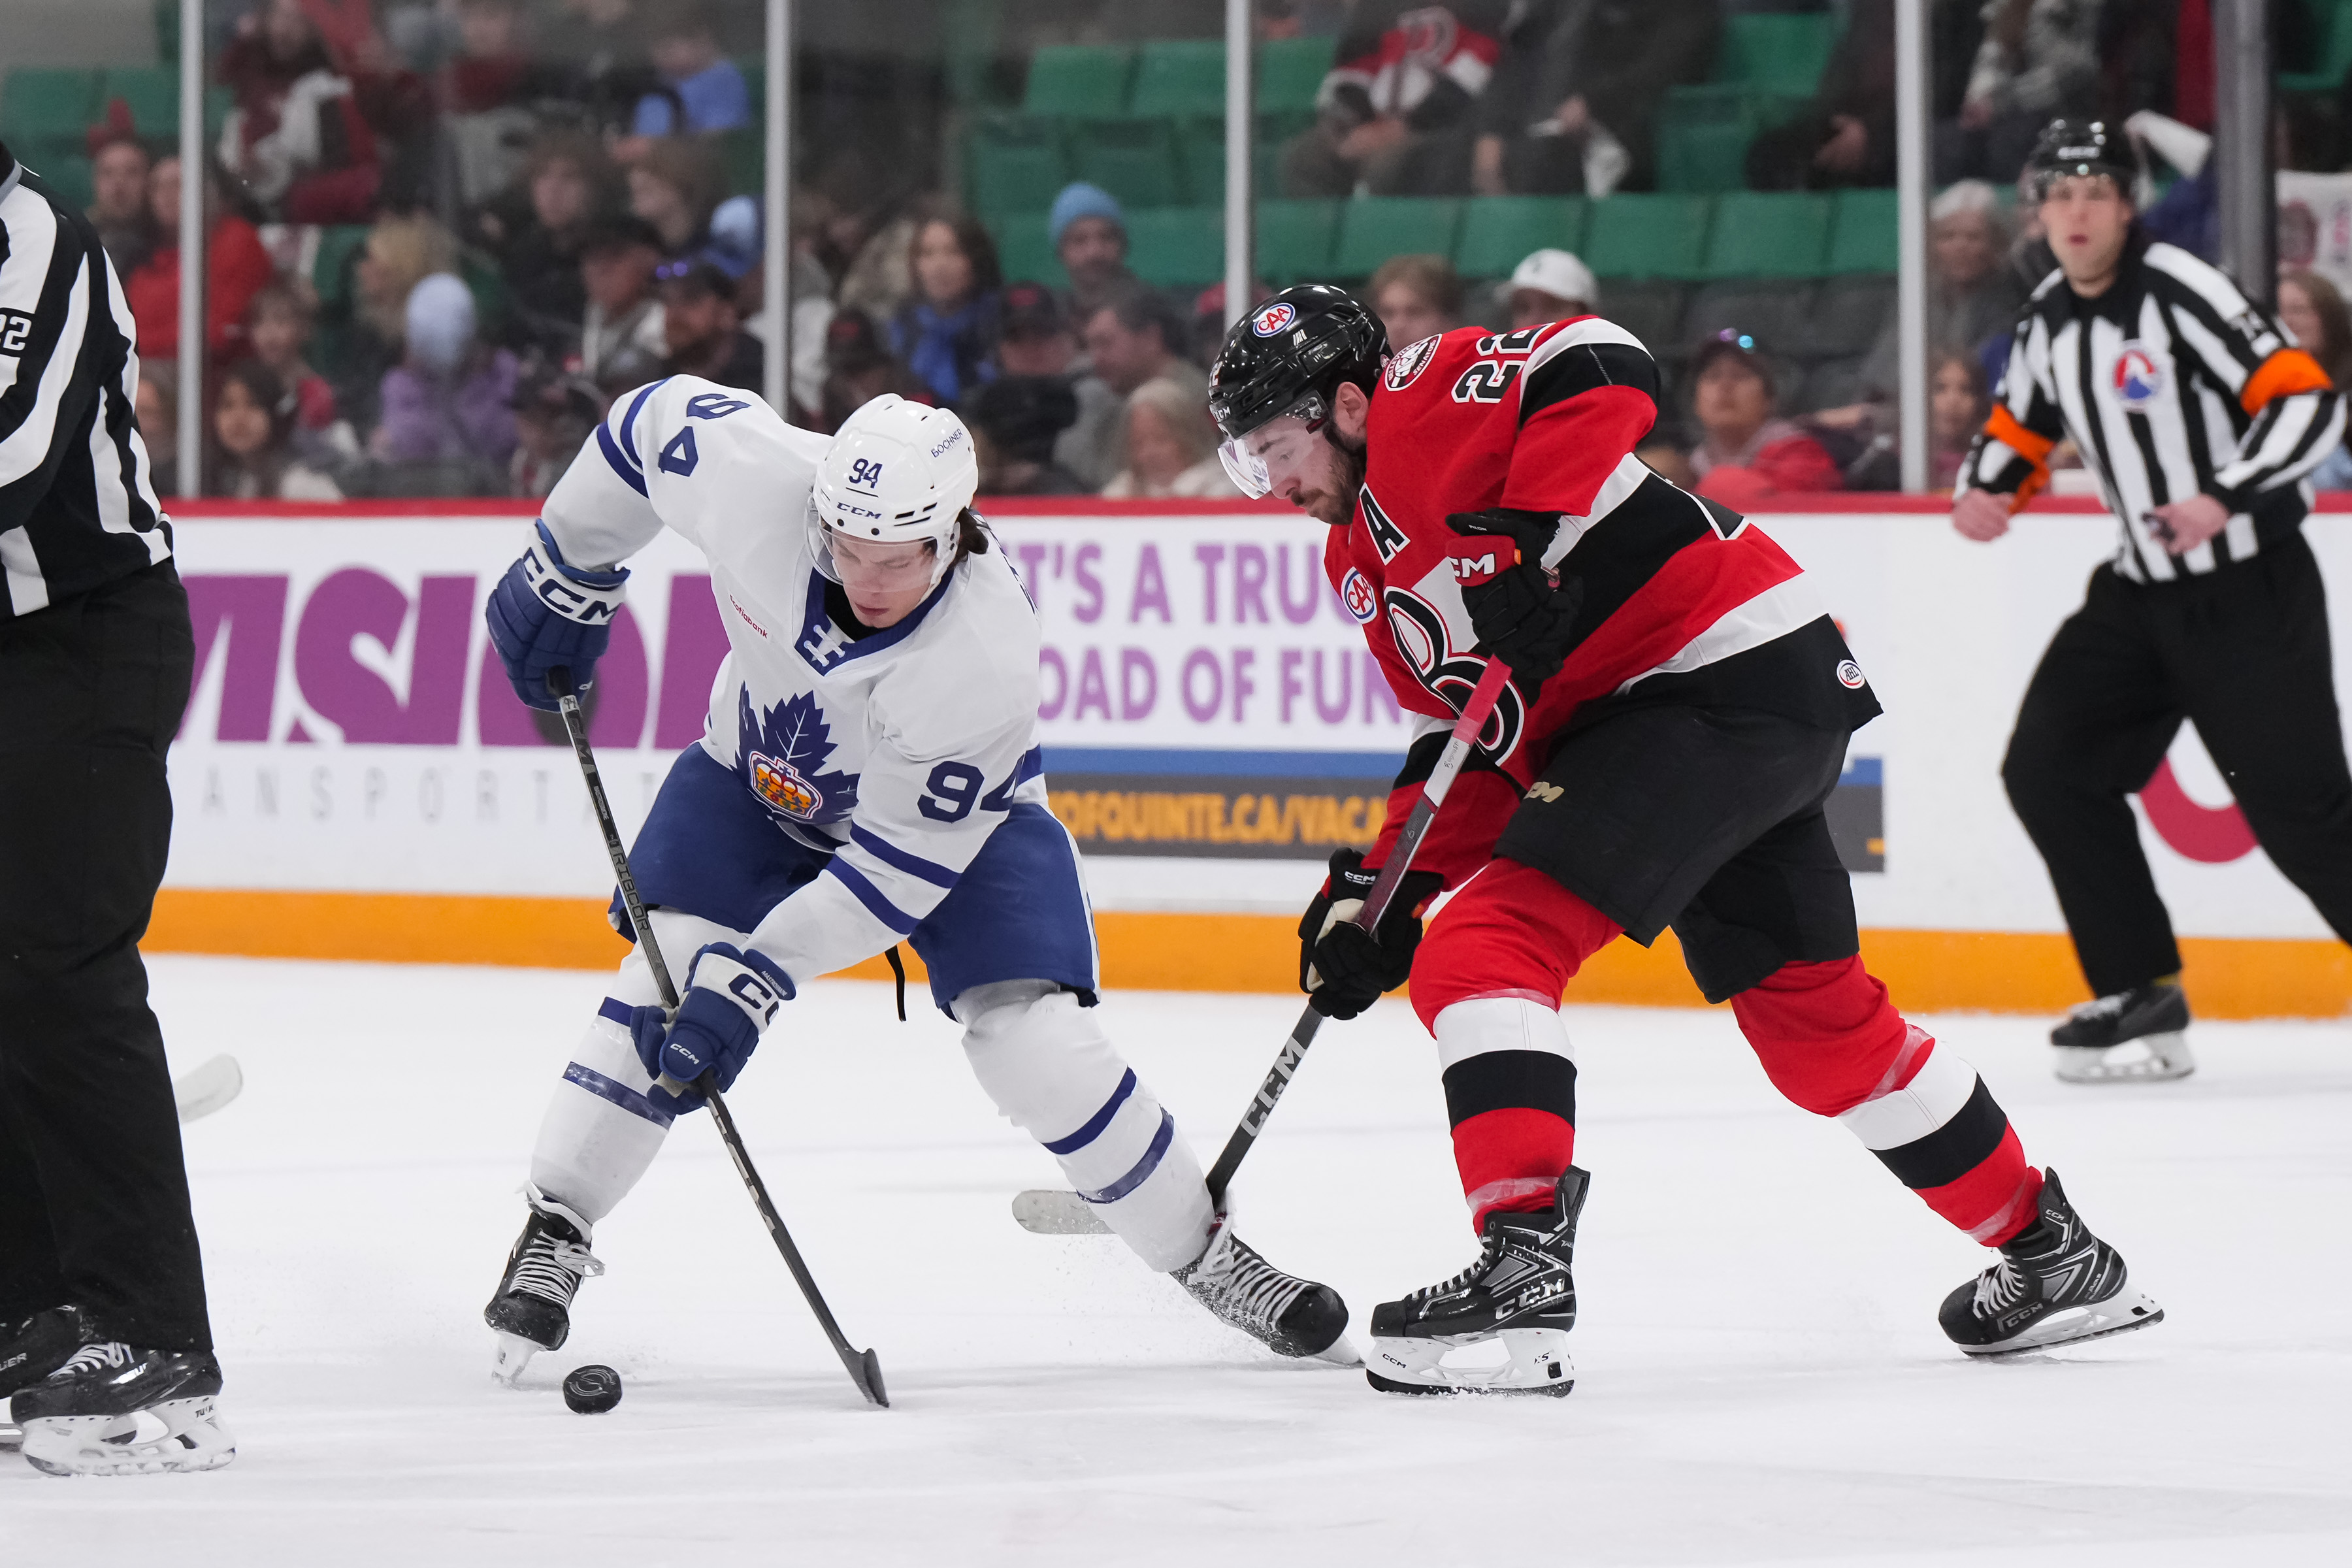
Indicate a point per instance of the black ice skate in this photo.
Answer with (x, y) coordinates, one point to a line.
(2056, 1283)
(532, 1310)
(1510, 1311)
(1288, 1315)
(112, 1410)
(32, 1347)
(2139, 1036)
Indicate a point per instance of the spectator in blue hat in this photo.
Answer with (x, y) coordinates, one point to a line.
(1090, 237)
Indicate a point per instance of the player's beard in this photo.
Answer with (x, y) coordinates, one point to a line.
(1336, 506)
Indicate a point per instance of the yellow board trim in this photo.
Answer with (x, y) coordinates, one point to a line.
(1927, 971)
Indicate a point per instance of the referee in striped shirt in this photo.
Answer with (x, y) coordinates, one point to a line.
(98, 1246)
(2200, 416)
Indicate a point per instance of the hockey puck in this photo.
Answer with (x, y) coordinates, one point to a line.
(593, 1390)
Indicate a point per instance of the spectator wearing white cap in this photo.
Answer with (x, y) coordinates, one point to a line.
(450, 399)
(1551, 286)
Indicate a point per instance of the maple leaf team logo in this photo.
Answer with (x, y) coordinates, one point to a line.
(784, 751)
(2139, 381)
(1408, 362)
(1356, 595)
(1273, 317)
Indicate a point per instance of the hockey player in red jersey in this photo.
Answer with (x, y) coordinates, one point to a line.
(1678, 713)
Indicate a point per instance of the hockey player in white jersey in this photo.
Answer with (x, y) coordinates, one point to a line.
(869, 774)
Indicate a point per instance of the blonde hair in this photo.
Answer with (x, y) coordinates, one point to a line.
(406, 251)
(1186, 414)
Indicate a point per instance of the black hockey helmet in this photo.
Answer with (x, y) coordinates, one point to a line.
(2081, 147)
(1301, 343)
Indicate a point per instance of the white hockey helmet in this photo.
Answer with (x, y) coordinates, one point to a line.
(896, 473)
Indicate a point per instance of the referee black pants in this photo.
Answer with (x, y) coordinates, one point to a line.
(2243, 651)
(93, 1195)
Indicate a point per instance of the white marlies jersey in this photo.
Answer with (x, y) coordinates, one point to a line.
(900, 751)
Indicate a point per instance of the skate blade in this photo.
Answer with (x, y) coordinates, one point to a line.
(1534, 1362)
(2151, 1058)
(1340, 1352)
(12, 1438)
(190, 1438)
(513, 1354)
(2118, 1314)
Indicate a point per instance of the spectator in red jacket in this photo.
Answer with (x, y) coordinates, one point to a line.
(1749, 453)
(1395, 115)
(236, 268)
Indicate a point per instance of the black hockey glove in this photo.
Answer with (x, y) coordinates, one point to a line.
(1342, 967)
(1522, 613)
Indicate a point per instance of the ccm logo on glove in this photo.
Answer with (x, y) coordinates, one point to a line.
(732, 995)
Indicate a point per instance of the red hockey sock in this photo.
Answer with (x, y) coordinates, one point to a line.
(1832, 1042)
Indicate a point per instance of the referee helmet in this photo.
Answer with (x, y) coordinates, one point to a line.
(2081, 147)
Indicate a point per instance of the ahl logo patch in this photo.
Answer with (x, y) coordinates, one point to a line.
(1270, 321)
(784, 753)
(1406, 364)
(2139, 380)
(1357, 597)
(1849, 675)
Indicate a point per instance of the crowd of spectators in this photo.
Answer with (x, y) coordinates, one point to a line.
(538, 203)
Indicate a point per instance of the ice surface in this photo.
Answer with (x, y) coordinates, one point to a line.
(1760, 1375)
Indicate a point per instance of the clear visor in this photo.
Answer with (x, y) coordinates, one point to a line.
(872, 563)
(1277, 450)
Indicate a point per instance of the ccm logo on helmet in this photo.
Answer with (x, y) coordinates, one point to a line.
(1269, 321)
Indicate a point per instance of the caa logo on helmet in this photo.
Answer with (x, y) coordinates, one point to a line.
(1407, 364)
(1356, 594)
(1273, 317)
(2139, 380)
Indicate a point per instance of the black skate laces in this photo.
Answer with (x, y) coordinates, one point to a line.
(552, 1268)
(1236, 1284)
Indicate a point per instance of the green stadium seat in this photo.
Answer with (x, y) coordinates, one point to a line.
(67, 174)
(1134, 160)
(743, 153)
(755, 87)
(1769, 233)
(1863, 233)
(44, 109)
(331, 267)
(2333, 58)
(1177, 78)
(1079, 79)
(1499, 232)
(1290, 71)
(1294, 240)
(1779, 51)
(1176, 247)
(151, 93)
(1024, 250)
(1704, 154)
(1015, 166)
(1201, 159)
(1652, 311)
(1662, 236)
(1374, 228)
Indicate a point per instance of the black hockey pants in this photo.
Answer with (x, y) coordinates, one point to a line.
(2243, 651)
(93, 1195)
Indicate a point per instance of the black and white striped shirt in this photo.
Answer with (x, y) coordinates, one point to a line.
(2171, 382)
(78, 504)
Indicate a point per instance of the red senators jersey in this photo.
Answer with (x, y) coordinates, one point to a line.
(1683, 601)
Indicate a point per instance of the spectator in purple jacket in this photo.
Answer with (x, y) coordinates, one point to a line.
(450, 399)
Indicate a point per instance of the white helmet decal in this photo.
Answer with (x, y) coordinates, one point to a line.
(896, 473)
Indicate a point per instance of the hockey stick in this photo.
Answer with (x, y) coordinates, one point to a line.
(1052, 1213)
(864, 1368)
(206, 1089)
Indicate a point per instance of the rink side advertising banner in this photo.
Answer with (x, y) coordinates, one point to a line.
(1206, 696)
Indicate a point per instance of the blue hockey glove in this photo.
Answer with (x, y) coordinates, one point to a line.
(731, 994)
(545, 613)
